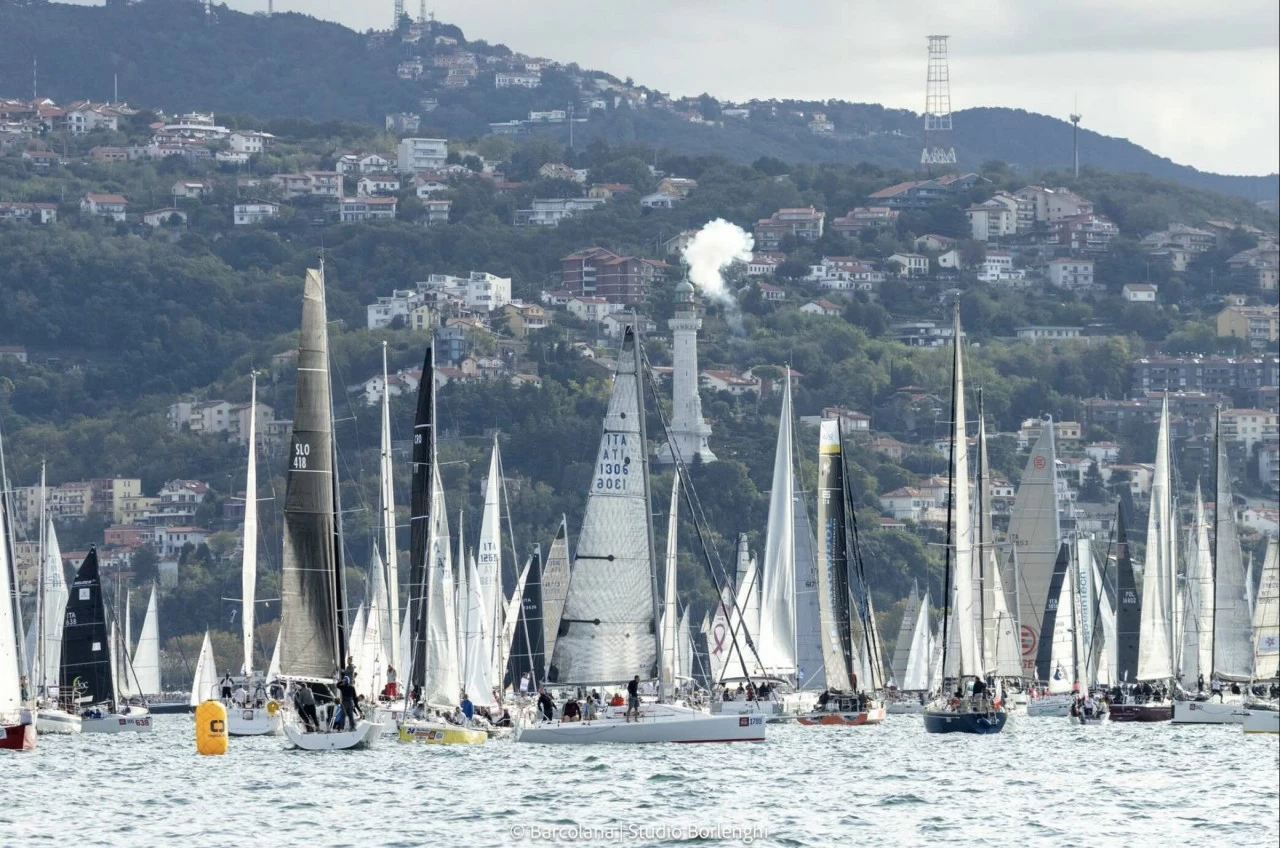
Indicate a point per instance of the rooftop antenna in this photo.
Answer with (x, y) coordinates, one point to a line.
(1075, 136)
(937, 107)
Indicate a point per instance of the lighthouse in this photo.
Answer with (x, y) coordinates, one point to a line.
(689, 430)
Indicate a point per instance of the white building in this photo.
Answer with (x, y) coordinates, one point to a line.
(997, 267)
(994, 218)
(353, 209)
(549, 212)
(689, 428)
(907, 503)
(421, 154)
(591, 309)
(502, 80)
(376, 185)
(111, 206)
(254, 212)
(381, 314)
(1140, 292)
(1069, 273)
(660, 200)
(487, 292)
(250, 142)
(436, 211)
(1047, 334)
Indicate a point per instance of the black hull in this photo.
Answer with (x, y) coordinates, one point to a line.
(170, 709)
(981, 724)
(1142, 713)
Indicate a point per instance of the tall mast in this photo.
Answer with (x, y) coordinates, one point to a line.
(648, 499)
(1217, 536)
(388, 518)
(38, 671)
(249, 564)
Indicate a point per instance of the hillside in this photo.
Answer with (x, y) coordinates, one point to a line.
(168, 54)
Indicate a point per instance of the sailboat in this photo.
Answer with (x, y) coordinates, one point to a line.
(971, 709)
(609, 631)
(1262, 715)
(1034, 538)
(204, 681)
(145, 661)
(259, 716)
(1228, 626)
(17, 719)
(1060, 660)
(88, 682)
(51, 603)
(555, 587)
(848, 643)
(918, 677)
(314, 637)
(1001, 644)
(1156, 657)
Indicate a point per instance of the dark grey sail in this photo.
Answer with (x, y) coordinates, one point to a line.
(1128, 607)
(555, 587)
(1049, 623)
(86, 655)
(420, 522)
(312, 642)
(833, 573)
(528, 646)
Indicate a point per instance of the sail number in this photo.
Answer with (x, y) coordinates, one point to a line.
(301, 452)
(614, 466)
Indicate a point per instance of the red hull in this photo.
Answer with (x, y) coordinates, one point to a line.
(1145, 713)
(18, 737)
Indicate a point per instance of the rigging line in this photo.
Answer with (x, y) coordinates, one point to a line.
(699, 521)
(864, 612)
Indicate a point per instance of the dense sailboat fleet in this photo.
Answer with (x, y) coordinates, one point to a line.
(593, 642)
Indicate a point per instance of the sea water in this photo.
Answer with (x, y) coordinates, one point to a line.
(1043, 781)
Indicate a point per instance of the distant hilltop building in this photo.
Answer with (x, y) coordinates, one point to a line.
(689, 429)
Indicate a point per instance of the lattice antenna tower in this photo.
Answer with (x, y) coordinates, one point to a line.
(422, 11)
(937, 107)
(399, 14)
(1075, 138)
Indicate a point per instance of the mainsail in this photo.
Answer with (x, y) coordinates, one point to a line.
(1001, 646)
(965, 578)
(489, 561)
(442, 685)
(1034, 536)
(1102, 643)
(87, 673)
(1128, 607)
(555, 586)
(918, 671)
(370, 641)
(906, 631)
(1266, 618)
(313, 640)
(389, 603)
(1197, 651)
(12, 663)
(776, 637)
(810, 669)
(833, 574)
(1155, 643)
(607, 630)
(1232, 637)
(475, 678)
(249, 556)
(54, 600)
(205, 680)
(146, 657)
(528, 650)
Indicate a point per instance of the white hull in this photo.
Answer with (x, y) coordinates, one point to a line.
(1208, 712)
(657, 723)
(904, 708)
(390, 714)
(49, 720)
(365, 735)
(1056, 706)
(137, 721)
(1262, 721)
(254, 721)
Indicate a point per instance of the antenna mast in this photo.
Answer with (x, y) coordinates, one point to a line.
(1075, 138)
(937, 107)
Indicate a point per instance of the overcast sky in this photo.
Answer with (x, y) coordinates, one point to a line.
(1196, 82)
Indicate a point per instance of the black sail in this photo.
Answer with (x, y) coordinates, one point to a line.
(420, 522)
(833, 566)
(86, 654)
(312, 637)
(528, 645)
(1049, 623)
(1128, 607)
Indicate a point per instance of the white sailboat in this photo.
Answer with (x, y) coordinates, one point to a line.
(1262, 715)
(917, 673)
(17, 720)
(1034, 537)
(204, 681)
(146, 656)
(314, 636)
(489, 568)
(1058, 661)
(50, 611)
(612, 600)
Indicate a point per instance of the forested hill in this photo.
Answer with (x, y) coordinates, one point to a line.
(168, 54)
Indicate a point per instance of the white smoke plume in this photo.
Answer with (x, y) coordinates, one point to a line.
(716, 246)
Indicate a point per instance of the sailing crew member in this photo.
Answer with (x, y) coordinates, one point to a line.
(305, 701)
(1200, 682)
(592, 709)
(348, 693)
(350, 670)
(526, 685)
(633, 698)
(1215, 688)
(227, 684)
(468, 708)
(572, 710)
(239, 696)
(546, 704)
(390, 689)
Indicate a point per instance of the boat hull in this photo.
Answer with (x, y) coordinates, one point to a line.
(390, 714)
(981, 724)
(49, 720)
(835, 718)
(657, 723)
(904, 708)
(365, 735)
(170, 709)
(1261, 721)
(431, 733)
(17, 737)
(1141, 713)
(1089, 721)
(1052, 706)
(1207, 712)
(136, 721)
(254, 721)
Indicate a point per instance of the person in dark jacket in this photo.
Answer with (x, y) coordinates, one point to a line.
(633, 698)
(349, 711)
(546, 704)
(305, 701)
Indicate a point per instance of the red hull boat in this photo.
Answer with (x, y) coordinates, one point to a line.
(18, 737)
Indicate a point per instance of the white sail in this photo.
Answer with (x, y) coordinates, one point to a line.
(355, 643)
(670, 614)
(249, 557)
(1002, 649)
(718, 640)
(1155, 639)
(738, 656)
(372, 658)
(1266, 618)
(1063, 653)
(555, 587)
(1102, 647)
(442, 674)
(776, 642)
(390, 602)
(119, 672)
(489, 559)
(1232, 620)
(146, 657)
(476, 681)
(967, 583)
(273, 668)
(906, 632)
(11, 662)
(1034, 537)
(684, 641)
(609, 616)
(205, 679)
(402, 658)
(1197, 651)
(55, 604)
(917, 671)
(511, 617)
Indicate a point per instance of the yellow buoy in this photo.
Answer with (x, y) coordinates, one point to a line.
(211, 728)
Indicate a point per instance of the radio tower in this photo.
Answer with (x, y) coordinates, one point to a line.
(1075, 139)
(937, 107)
(399, 14)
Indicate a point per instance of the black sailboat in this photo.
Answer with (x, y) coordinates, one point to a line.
(423, 454)
(528, 645)
(1128, 606)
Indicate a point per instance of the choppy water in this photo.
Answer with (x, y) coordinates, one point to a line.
(1041, 782)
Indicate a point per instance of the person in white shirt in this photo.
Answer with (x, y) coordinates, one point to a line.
(239, 696)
